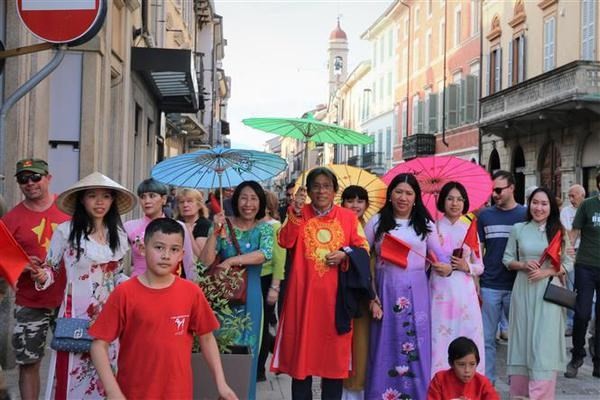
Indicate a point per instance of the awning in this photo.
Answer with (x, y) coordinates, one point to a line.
(171, 76)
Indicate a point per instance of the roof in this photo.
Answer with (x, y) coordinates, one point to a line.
(338, 33)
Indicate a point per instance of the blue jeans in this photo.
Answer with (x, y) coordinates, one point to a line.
(495, 303)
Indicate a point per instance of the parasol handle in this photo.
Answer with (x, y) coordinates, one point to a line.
(305, 163)
(220, 190)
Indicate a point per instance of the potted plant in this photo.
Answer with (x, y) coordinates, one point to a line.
(237, 360)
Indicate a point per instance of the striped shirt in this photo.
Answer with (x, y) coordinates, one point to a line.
(494, 227)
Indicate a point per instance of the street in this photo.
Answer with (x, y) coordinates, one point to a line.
(278, 387)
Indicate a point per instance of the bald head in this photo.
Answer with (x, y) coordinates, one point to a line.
(576, 195)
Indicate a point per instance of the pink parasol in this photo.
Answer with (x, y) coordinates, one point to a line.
(434, 172)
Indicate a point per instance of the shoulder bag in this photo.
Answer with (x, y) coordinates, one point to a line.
(238, 295)
(559, 295)
(71, 334)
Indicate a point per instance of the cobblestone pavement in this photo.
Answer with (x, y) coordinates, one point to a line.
(584, 387)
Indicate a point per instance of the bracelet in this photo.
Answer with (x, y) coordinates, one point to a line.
(275, 288)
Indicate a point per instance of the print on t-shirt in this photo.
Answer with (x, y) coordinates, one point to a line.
(180, 324)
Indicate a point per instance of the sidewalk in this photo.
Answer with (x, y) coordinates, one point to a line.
(584, 387)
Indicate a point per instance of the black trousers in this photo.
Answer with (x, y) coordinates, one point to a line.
(587, 281)
(331, 389)
(268, 315)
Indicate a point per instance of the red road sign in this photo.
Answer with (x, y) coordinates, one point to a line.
(62, 21)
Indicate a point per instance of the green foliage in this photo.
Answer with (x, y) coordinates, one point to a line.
(217, 289)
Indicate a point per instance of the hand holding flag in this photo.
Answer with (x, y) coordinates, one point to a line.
(395, 251)
(553, 251)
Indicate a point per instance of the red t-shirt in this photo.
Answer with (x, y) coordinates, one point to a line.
(33, 231)
(154, 328)
(445, 385)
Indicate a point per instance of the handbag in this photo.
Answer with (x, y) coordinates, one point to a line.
(559, 295)
(238, 295)
(71, 335)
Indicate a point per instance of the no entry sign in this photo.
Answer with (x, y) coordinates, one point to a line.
(62, 21)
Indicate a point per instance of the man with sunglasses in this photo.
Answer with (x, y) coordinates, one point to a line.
(32, 222)
(494, 225)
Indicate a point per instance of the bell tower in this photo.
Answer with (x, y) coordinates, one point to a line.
(337, 58)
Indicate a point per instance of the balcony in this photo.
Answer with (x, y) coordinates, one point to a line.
(374, 162)
(354, 161)
(419, 144)
(556, 98)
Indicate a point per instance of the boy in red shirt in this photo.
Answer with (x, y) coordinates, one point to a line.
(154, 316)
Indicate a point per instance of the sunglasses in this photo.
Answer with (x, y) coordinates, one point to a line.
(499, 190)
(23, 179)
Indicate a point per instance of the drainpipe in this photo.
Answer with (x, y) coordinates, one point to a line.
(19, 93)
(480, 75)
(407, 65)
(444, 68)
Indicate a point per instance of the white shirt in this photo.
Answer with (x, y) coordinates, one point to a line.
(567, 215)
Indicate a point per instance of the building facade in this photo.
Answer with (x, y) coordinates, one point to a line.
(438, 79)
(539, 111)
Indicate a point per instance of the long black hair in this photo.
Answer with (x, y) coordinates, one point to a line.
(419, 216)
(82, 224)
(553, 224)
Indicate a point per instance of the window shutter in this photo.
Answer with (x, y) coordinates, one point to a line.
(553, 42)
(489, 73)
(453, 105)
(499, 69)
(521, 65)
(462, 104)
(588, 19)
(415, 115)
(510, 64)
(421, 117)
(433, 112)
(471, 98)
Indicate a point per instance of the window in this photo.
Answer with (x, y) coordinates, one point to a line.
(389, 84)
(457, 26)
(374, 53)
(549, 43)
(406, 23)
(416, 63)
(381, 49)
(381, 90)
(474, 71)
(442, 38)
(441, 109)
(390, 43)
(588, 29)
(516, 60)
(388, 143)
(426, 110)
(415, 113)
(404, 121)
(380, 144)
(428, 48)
(495, 82)
(417, 16)
(474, 17)
(429, 8)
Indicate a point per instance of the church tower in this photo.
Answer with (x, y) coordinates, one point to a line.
(337, 58)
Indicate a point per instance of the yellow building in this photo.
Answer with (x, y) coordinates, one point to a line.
(539, 113)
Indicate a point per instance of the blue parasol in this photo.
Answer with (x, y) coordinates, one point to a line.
(218, 167)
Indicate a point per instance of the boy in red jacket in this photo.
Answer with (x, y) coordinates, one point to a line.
(154, 316)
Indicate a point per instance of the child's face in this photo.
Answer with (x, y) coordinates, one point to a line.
(464, 368)
(163, 253)
(357, 205)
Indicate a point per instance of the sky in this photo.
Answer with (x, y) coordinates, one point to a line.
(276, 56)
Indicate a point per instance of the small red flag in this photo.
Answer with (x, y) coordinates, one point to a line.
(214, 204)
(395, 250)
(553, 251)
(12, 257)
(471, 238)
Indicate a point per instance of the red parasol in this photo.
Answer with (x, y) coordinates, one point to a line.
(434, 172)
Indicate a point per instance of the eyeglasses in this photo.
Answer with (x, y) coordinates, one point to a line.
(23, 179)
(457, 199)
(499, 190)
(318, 188)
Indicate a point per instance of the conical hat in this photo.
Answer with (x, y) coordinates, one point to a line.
(125, 199)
